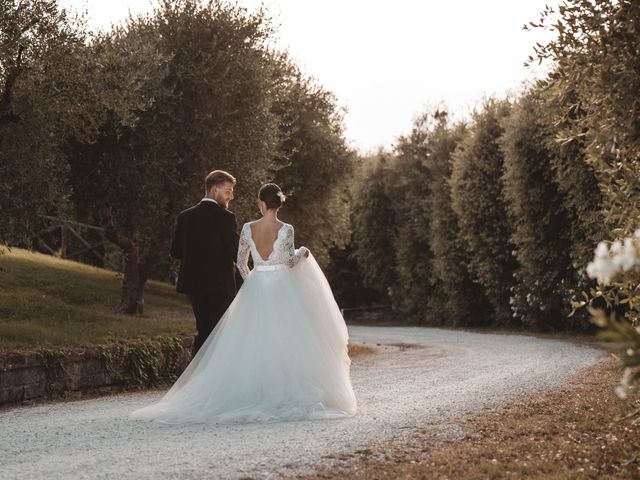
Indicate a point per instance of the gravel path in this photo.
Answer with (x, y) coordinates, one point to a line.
(419, 377)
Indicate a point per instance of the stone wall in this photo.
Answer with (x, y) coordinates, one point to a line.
(55, 373)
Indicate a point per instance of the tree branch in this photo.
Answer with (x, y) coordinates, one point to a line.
(7, 115)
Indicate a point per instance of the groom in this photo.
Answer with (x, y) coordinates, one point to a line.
(206, 243)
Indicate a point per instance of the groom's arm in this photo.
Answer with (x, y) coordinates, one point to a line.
(230, 235)
(176, 244)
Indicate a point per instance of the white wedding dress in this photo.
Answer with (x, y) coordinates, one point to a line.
(278, 353)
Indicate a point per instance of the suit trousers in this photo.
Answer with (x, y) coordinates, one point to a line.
(208, 308)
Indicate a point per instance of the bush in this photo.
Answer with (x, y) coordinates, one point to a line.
(458, 300)
(374, 227)
(409, 188)
(477, 194)
(545, 278)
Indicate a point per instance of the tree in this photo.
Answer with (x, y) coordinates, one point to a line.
(576, 179)
(597, 68)
(458, 300)
(347, 279)
(477, 194)
(373, 228)
(314, 164)
(40, 48)
(596, 79)
(539, 218)
(210, 108)
(409, 186)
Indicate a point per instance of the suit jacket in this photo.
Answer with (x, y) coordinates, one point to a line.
(206, 243)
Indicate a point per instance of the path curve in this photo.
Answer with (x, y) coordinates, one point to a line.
(418, 377)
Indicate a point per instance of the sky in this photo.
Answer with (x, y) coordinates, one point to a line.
(389, 60)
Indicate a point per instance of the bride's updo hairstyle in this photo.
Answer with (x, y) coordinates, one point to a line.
(272, 195)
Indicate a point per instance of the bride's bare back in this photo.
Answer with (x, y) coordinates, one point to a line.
(264, 233)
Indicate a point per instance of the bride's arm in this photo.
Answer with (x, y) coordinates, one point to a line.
(243, 253)
(293, 255)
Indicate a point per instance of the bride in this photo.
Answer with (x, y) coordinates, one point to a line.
(280, 350)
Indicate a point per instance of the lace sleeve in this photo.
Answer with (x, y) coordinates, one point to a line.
(291, 255)
(243, 253)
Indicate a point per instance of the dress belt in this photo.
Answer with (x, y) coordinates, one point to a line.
(270, 268)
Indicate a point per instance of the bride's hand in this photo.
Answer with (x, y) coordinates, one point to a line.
(306, 253)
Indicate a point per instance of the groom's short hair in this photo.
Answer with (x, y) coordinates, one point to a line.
(218, 177)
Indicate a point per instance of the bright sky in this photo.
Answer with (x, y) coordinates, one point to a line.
(388, 60)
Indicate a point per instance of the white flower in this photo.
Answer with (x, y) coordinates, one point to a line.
(622, 390)
(602, 269)
(282, 197)
(602, 250)
(616, 247)
(621, 257)
(628, 258)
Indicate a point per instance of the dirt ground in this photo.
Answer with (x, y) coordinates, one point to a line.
(580, 431)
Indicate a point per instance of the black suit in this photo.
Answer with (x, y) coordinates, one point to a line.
(206, 243)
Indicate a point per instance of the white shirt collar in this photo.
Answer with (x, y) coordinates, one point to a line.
(207, 199)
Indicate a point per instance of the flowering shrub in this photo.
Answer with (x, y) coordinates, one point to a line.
(615, 267)
(592, 68)
(619, 258)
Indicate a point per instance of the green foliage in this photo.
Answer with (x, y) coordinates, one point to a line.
(54, 372)
(39, 83)
(314, 164)
(373, 228)
(477, 197)
(510, 208)
(622, 331)
(457, 299)
(120, 128)
(597, 66)
(405, 231)
(208, 74)
(346, 279)
(545, 278)
(139, 363)
(409, 187)
(577, 182)
(595, 81)
(144, 363)
(345, 272)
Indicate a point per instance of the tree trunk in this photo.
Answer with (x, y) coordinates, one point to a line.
(132, 300)
(135, 277)
(7, 115)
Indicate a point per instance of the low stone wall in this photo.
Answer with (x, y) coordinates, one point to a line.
(54, 373)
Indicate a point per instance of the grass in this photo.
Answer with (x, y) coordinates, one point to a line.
(576, 432)
(46, 301)
(49, 302)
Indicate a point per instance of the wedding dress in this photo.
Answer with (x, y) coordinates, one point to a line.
(278, 353)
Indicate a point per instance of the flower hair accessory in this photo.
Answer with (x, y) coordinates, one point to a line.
(282, 197)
